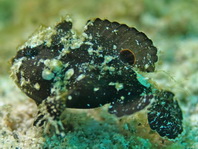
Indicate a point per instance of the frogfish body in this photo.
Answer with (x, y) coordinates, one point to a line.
(61, 69)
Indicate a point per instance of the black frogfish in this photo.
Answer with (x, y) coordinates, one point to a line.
(61, 69)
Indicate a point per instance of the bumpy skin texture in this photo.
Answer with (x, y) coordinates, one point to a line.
(60, 70)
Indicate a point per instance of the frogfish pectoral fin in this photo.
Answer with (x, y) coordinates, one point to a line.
(128, 107)
(51, 108)
(165, 115)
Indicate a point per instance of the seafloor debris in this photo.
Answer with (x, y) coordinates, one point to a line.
(59, 70)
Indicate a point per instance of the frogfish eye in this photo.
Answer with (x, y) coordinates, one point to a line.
(127, 56)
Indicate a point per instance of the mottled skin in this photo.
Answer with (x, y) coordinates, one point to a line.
(170, 122)
(100, 67)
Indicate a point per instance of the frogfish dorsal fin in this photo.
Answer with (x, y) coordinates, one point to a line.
(115, 36)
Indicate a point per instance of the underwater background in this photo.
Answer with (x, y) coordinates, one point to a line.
(172, 26)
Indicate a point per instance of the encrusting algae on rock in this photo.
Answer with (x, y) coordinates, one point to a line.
(59, 69)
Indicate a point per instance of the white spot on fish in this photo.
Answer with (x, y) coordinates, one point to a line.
(47, 74)
(96, 89)
(69, 73)
(37, 86)
(80, 77)
(70, 97)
